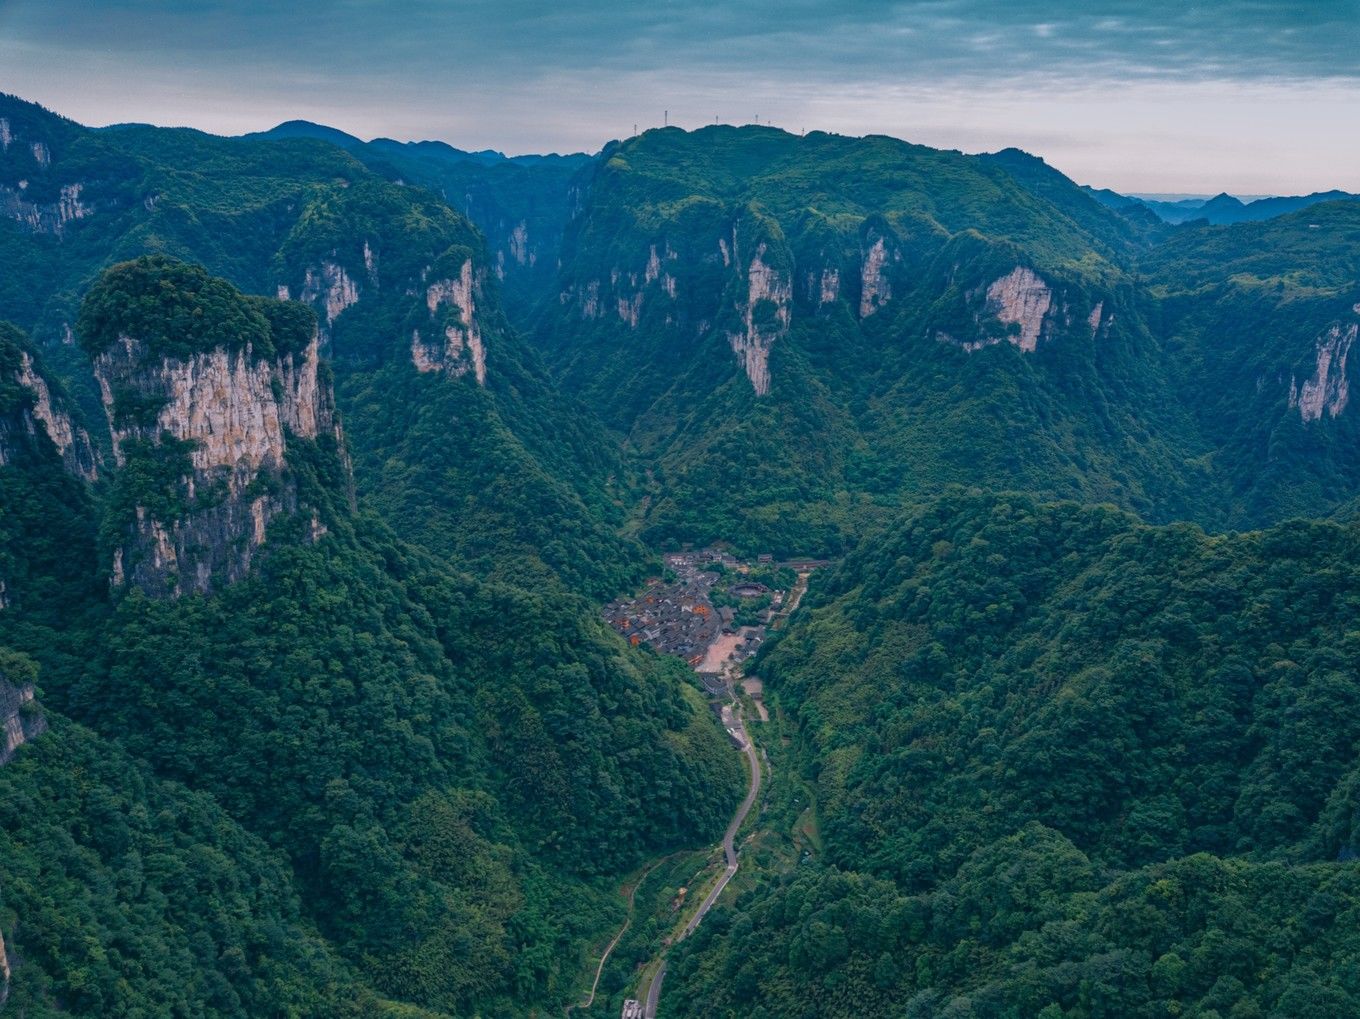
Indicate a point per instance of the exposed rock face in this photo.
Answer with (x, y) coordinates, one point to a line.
(822, 288)
(331, 288)
(765, 316)
(874, 288)
(1327, 391)
(1094, 320)
(519, 244)
(45, 412)
(21, 725)
(4, 973)
(590, 301)
(6, 135)
(461, 348)
(236, 411)
(72, 442)
(41, 154)
(831, 286)
(44, 217)
(1021, 298)
(631, 309)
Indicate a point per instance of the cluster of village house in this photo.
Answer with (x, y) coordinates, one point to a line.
(677, 616)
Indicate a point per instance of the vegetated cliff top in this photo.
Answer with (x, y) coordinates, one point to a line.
(176, 310)
(842, 180)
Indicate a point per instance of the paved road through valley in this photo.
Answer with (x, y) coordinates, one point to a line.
(729, 851)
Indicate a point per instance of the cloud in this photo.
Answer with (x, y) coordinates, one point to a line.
(917, 39)
(525, 74)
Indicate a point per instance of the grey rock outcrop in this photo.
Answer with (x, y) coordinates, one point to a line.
(22, 720)
(235, 413)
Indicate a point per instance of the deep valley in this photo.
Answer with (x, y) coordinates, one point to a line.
(735, 572)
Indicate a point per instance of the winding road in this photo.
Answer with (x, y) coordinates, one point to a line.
(729, 851)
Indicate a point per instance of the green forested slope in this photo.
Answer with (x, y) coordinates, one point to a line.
(1161, 378)
(873, 400)
(449, 772)
(128, 895)
(1066, 761)
(512, 477)
(1249, 313)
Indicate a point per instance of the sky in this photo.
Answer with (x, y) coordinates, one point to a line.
(1138, 95)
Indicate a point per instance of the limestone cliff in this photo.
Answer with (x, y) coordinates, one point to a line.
(72, 442)
(39, 411)
(1019, 302)
(875, 290)
(49, 216)
(451, 341)
(22, 720)
(1327, 390)
(821, 287)
(233, 414)
(329, 288)
(204, 401)
(1021, 298)
(765, 314)
(4, 973)
(29, 194)
(629, 289)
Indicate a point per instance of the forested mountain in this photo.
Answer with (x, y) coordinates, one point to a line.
(1065, 764)
(318, 458)
(1261, 318)
(788, 328)
(522, 485)
(795, 332)
(520, 203)
(425, 782)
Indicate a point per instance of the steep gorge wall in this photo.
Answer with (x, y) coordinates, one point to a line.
(452, 341)
(22, 721)
(221, 427)
(41, 411)
(765, 316)
(1327, 391)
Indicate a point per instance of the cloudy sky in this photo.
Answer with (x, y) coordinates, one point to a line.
(1140, 95)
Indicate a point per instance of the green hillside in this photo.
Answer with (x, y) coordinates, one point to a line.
(449, 773)
(1065, 764)
(319, 457)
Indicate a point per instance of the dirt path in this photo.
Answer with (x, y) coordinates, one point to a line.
(632, 894)
(795, 597)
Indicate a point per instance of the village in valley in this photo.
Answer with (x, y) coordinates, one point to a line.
(713, 610)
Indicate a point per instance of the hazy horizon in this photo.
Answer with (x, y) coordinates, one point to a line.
(1243, 97)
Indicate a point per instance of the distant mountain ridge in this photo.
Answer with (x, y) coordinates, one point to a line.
(1219, 210)
(429, 147)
